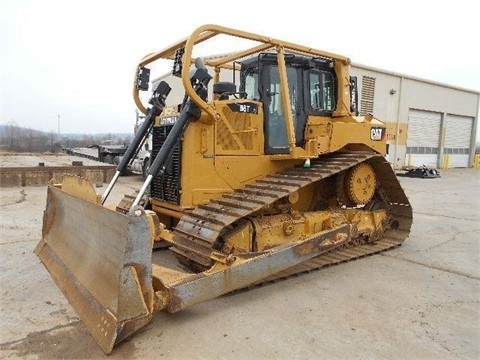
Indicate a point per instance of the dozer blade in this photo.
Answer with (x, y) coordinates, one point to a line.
(100, 259)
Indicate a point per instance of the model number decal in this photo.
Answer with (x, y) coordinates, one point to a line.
(377, 133)
(247, 107)
(168, 120)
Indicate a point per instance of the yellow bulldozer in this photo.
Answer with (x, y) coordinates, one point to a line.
(267, 175)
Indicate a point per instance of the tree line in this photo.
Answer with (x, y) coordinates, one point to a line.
(14, 138)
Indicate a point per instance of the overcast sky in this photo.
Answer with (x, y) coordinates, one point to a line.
(76, 58)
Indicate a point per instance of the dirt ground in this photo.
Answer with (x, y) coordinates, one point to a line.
(419, 301)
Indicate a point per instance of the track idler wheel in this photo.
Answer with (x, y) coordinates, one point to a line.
(359, 184)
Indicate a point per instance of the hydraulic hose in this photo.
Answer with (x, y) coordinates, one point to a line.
(189, 112)
(158, 102)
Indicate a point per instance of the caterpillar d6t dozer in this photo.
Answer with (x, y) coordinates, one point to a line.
(269, 174)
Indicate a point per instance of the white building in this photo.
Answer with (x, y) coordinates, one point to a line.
(428, 123)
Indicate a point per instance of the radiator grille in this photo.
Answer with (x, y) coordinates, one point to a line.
(166, 187)
(368, 95)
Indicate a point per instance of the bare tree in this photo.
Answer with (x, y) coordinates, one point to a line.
(12, 132)
(18, 139)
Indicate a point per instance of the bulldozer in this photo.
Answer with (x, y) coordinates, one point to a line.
(263, 171)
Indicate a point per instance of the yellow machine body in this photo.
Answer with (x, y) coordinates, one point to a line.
(278, 177)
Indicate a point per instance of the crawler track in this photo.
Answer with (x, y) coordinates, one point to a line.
(197, 232)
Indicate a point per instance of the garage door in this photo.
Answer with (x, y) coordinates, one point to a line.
(458, 134)
(423, 138)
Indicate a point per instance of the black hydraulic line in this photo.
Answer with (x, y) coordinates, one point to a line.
(158, 102)
(189, 112)
(132, 148)
(144, 138)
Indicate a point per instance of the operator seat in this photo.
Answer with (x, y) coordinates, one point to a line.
(223, 89)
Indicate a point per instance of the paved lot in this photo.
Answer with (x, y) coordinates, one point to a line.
(419, 301)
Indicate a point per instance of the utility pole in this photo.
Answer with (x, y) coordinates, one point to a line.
(58, 118)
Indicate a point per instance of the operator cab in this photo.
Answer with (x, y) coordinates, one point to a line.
(312, 88)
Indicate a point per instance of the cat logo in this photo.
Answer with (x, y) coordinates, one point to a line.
(376, 133)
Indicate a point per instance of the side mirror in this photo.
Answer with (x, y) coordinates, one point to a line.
(143, 77)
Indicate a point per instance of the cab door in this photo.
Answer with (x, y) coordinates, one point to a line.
(276, 141)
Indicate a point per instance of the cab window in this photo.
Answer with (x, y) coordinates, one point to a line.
(321, 87)
(251, 85)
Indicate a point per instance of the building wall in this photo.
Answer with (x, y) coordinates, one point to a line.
(396, 96)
